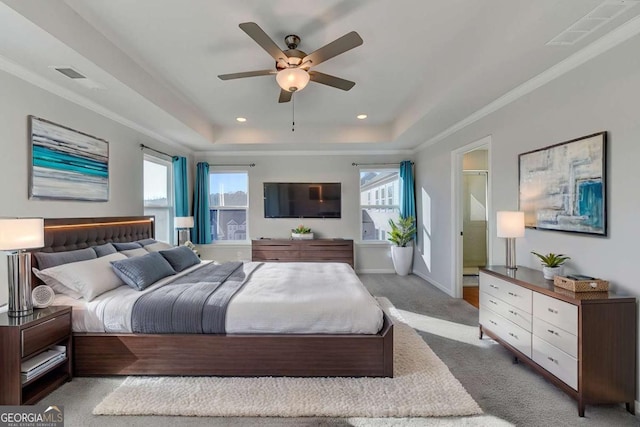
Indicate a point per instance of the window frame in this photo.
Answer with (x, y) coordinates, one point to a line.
(381, 203)
(170, 205)
(220, 170)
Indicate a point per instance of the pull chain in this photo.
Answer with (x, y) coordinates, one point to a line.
(293, 112)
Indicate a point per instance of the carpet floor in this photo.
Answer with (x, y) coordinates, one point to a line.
(422, 386)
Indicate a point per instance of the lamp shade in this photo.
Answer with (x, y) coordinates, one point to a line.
(510, 224)
(21, 233)
(292, 79)
(183, 222)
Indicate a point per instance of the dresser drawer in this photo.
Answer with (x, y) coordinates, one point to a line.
(507, 331)
(556, 336)
(46, 333)
(554, 360)
(512, 294)
(509, 312)
(558, 313)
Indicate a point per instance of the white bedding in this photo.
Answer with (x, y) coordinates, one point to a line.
(295, 298)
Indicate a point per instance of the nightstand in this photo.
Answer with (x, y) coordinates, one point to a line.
(23, 338)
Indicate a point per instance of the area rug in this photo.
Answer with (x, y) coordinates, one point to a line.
(423, 386)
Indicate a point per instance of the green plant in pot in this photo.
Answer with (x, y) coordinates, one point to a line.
(552, 264)
(401, 235)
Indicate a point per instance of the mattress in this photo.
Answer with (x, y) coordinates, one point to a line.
(295, 298)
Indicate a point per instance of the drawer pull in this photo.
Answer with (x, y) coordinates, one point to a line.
(493, 302)
(552, 359)
(551, 310)
(493, 322)
(513, 312)
(512, 294)
(551, 331)
(494, 286)
(513, 335)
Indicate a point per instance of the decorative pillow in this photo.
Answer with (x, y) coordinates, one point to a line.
(106, 249)
(145, 242)
(126, 246)
(134, 252)
(87, 278)
(180, 258)
(52, 259)
(143, 271)
(158, 246)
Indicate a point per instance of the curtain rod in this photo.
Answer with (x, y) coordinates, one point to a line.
(142, 146)
(376, 164)
(237, 164)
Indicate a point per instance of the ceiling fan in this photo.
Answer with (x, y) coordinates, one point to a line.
(292, 65)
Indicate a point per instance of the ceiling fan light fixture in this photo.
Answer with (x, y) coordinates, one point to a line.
(292, 79)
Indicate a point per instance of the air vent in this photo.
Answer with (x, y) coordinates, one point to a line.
(70, 72)
(605, 12)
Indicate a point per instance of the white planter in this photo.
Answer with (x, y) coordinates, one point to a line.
(301, 236)
(550, 272)
(402, 258)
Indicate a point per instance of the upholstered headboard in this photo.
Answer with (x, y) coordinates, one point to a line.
(67, 234)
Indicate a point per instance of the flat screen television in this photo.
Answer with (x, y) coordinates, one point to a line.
(302, 200)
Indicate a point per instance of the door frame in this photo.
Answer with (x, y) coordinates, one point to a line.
(457, 209)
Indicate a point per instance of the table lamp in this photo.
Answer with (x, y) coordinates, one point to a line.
(510, 225)
(17, 235)
(183, 224)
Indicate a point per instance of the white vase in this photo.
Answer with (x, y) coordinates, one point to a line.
(402, 258)
(550, 272)
(302, 236)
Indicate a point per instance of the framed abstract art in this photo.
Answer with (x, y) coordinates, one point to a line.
(563, 186)
(67, 164)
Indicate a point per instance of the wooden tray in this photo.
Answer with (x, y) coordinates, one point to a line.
(595, 285)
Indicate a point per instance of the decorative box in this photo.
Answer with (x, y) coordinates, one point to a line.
(593, 285)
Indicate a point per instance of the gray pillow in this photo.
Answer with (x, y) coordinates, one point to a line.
(106, 249)
(158, 246)
(145, 242)
(126, 246)
(143, 271)
(52, 259)
(134, 252)
(180, 258)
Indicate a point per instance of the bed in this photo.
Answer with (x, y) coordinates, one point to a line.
(243, 352)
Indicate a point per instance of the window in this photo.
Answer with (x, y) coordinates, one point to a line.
(158, 195)
(384, 184)
(228, 204)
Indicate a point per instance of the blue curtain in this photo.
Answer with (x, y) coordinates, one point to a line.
(201, 232)
(180, 185)
(407, 190)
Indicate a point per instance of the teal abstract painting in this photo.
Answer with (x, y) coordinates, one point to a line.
(67, 164)
(563, 187)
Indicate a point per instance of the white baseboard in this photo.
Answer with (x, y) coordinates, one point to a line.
(637, 408)
(376, 271)
(433, 282)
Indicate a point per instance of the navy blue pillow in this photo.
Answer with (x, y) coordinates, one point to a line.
(142, 271)
(106, 249)
(51, 259)
(180, 258)
(127, 246)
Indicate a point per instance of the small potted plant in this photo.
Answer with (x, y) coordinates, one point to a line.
(401, 235)
(301, 232)
(551, 264)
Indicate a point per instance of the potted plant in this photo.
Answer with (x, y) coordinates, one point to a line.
(401, 235)
(301, 232)
(551, 264)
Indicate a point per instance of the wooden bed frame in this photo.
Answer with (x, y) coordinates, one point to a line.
(309, 355)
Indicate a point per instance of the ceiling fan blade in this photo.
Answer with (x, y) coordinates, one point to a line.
(336, 47)
(329, 80)
(259, 36)
(285, 96)
(246, 74)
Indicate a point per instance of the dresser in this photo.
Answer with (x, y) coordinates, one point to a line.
(584, 343)
(315, 250)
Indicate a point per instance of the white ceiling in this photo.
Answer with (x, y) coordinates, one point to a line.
(424, 67)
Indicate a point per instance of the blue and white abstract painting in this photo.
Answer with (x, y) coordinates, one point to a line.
(67, 164)
(562, 187)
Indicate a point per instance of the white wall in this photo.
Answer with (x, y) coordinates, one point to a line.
(18, 99)
(299, 168)
(600, 95)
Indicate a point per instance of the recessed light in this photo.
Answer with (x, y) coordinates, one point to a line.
(241, 119)
(361, 116)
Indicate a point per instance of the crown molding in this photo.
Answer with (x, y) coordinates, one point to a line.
(281, 153)
(30, 77)
(598, 47)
